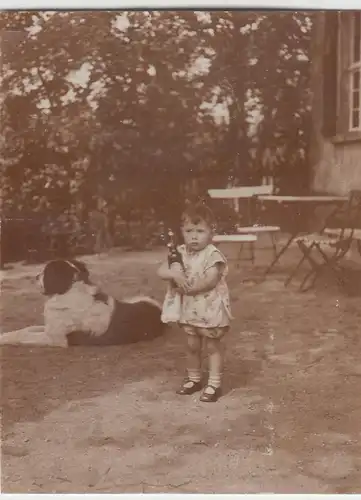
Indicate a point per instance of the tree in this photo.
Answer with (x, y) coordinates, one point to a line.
(281, 86)
(118, 105)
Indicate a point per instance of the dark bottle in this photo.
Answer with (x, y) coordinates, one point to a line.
(174, 256)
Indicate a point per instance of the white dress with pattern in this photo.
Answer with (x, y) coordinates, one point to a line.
(207, 309)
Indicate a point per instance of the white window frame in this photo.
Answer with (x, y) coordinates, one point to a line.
(355, 66)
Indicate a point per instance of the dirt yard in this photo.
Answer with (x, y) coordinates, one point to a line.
(88, 420)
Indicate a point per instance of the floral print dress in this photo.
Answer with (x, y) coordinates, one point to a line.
(210, 309)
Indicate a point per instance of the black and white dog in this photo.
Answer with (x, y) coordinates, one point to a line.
(77, 312)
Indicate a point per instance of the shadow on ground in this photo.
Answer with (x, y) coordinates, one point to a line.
(109, 418)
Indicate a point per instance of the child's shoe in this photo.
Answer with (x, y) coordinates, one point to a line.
(211, 397)
(189, 387)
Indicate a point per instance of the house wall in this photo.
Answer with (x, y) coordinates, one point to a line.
(335, 161)
(338, 169)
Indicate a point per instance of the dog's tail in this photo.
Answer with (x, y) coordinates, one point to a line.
(143, 298)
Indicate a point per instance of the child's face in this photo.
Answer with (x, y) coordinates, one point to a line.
(196, 236)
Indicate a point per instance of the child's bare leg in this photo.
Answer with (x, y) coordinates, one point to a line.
(194, 349)
(215, 350)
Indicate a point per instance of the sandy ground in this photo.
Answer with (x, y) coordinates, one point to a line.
(93, 420)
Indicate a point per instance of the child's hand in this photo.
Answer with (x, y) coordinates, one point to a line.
(180, 279)
(181, 282)
(205, 283)
(176, 268)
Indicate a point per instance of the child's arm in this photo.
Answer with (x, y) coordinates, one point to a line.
(209, 280)
(173, 273)
(165, 272)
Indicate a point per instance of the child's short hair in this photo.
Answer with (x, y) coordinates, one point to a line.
(198, 212)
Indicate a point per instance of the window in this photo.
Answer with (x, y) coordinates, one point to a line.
(355, 73)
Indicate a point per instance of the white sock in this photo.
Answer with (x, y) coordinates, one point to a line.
(215, 381)
(194, 375)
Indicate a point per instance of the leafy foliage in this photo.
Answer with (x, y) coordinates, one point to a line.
(140, 109)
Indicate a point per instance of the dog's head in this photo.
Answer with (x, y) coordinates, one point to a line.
(58, 276)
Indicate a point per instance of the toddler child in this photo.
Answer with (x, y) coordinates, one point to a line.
(198, 299)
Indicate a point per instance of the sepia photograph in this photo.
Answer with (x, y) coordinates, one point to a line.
(180, 264)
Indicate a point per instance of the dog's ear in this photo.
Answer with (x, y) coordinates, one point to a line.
(58, 277)
(83, 272)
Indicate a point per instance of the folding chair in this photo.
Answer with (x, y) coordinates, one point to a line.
(331, 249)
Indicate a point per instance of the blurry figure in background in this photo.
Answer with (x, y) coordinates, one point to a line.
(57, 232)
(99, 226)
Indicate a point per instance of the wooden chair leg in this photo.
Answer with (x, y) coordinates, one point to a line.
(294, 272)
(328, 263)
(333, 264)
(279, 255)
(316, 267)
(315, 274)
(305, 255)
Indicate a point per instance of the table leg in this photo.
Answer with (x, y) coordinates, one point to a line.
(252, 249)
(252, 253)
(274, 244)
(238, 259)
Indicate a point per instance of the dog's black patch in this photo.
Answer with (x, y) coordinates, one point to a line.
(130, 323)
(83, 273)
(101, 297)
(59, 275)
